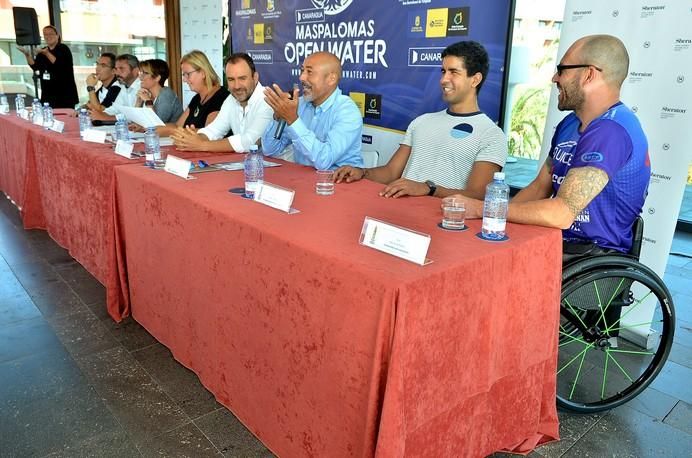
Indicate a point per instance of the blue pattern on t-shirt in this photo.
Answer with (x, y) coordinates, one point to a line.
(616, 144)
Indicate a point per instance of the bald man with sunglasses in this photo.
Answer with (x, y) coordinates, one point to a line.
(595, 179)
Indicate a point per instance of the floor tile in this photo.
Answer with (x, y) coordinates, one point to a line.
(16, 308)
(129, 333)
(181, 384)
(35, 274)
(230, 436)
(674, 380)
(84, 285)
(110, 444)
(37, 376)
(54, 422)
(681, 354)
(139, 403)
(628, 433)
(55, 300)
(652, 403)
(82, 333)
(573, 426)
(25, 338)
(681, 417)
(186, 440)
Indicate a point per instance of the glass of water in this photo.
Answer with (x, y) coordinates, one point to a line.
(453, 213)
(324, 186)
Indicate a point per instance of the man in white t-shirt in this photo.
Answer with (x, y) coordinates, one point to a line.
(453, 151)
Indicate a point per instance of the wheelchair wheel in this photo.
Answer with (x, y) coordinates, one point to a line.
(610, 347)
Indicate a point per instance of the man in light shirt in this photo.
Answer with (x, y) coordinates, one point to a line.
(127, 72)
(323, 126)
(246, 114)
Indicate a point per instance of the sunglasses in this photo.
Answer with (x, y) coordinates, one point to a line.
(560, 68)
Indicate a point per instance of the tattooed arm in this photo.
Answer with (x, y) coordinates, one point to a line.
(580, 187)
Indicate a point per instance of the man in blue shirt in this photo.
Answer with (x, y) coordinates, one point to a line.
(323, 126)
(595, 179)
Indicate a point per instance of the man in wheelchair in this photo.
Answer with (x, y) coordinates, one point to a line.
(595, 178)
(592, 186)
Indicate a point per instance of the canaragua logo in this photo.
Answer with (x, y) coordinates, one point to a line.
(332, 7)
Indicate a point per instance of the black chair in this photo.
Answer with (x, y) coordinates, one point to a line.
(610, 346)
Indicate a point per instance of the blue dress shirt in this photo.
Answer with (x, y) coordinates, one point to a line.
(324, 137)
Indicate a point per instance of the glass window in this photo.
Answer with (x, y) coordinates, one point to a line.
(534, 51)
(15, 74)
(89, 28)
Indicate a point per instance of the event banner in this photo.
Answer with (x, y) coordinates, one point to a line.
(659, 41)
(390, 49)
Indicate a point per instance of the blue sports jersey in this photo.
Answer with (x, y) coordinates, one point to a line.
(616, 144)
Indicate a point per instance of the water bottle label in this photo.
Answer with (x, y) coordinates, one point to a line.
(251, 187)
(149, 157)
(494, 224)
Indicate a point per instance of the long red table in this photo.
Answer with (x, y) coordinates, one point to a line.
(323, 347)
(66, 186)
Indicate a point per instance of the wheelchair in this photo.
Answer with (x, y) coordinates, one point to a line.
(610, 346)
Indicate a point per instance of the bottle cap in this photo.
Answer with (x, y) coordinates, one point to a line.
(499, 176)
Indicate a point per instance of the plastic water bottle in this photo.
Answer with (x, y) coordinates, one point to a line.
(36, 112)
(495, 208)
(47, 116)
(152, 148)
(121, 131)
(84, 121)
(4, 104)
(19, 104)
(254, 171)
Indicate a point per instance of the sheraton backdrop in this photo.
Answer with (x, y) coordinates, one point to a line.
(390, 49)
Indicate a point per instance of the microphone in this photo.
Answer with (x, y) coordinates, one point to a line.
(282, 122)
(280, 129)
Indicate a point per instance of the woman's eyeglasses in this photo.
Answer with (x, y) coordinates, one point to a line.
(186, 75)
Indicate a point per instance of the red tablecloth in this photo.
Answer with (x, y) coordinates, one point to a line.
(323, 347)
(66, 186)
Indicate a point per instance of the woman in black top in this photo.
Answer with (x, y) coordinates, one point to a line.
(205, 105)
(54, 64)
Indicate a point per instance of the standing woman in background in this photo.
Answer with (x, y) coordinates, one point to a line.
(54, 64)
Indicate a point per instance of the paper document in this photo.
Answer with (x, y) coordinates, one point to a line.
(144, 116)
(239, 165)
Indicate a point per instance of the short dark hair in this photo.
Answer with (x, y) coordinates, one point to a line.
(110, 57)
(475, 58)
(156, 67)
(235, 57)
(132, 61)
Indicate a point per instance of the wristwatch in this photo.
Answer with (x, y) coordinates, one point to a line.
(433, 187)
(91, 88)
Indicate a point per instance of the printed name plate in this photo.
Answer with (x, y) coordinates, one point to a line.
(58, 126)
(397, 241)
(124, 149)
(177, 166)
(95, 136)
(275, 196)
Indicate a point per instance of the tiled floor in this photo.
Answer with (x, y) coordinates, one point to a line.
(74, 383)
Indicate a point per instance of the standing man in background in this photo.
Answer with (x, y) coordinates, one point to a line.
(53, 63)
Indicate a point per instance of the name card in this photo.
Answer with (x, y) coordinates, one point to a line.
(94, 136)
(275, 196)
(58, 126)
(397, 241)
(24, 114)
(124, 149)
(177, 166)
